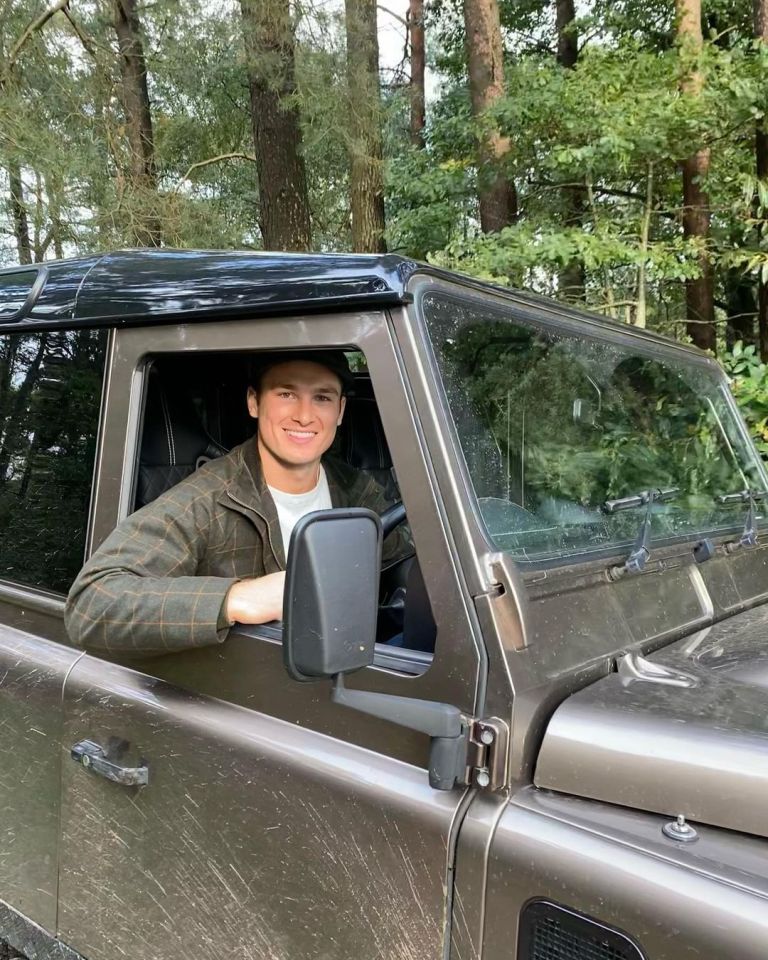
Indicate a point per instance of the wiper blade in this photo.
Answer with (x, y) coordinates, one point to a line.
(748, 537)
(741, 496)
(641, 499)
(636, 561)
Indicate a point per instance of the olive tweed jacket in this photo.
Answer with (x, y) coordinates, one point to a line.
(159, 581)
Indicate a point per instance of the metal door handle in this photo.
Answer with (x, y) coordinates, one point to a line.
(93, 757)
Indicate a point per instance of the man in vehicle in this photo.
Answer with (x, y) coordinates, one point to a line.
(211, 551)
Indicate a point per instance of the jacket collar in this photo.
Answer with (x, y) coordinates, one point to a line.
(247, 492)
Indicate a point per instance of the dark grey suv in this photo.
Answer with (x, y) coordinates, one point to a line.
(549, 743)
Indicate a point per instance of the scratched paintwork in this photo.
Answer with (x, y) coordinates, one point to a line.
(32, 673)
(254, 838)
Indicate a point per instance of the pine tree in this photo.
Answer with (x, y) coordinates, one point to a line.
(485, 60)
(145, 223)
(700, 309)
(366, 175)
(283, 199)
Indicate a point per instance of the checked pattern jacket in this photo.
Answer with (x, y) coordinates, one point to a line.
(159, 581)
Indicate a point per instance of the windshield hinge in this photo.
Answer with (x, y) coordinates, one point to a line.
(487, 753)
(504, 600)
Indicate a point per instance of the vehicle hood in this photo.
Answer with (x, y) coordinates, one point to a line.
(683, 731)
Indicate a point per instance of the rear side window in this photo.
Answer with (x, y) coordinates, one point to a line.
(50, 393)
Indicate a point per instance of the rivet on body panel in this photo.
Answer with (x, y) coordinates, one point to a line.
(680, 830)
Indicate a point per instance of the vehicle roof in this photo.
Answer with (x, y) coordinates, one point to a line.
(153, 286)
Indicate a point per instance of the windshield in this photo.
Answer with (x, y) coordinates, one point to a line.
(556, 427)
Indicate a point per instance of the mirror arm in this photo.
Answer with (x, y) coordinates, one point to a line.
(444, 723)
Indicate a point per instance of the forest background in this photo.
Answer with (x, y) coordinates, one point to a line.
(611, 153)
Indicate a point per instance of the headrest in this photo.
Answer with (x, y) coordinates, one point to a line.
(173, 432)
(361, 436)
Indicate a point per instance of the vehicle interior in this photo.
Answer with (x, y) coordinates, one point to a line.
(195, 411)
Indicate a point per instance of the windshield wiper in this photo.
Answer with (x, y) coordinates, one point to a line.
(636, 561)
(641, 499)
(748, 537)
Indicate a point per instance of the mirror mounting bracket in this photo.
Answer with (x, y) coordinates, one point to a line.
(447, 727)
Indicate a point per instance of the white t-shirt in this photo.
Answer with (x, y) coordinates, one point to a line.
(291, 507)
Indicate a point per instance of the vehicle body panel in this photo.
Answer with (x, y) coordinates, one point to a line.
(32, 675)
(707, 899)
(685, 732)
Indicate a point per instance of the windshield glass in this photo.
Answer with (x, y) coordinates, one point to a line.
(556, 427)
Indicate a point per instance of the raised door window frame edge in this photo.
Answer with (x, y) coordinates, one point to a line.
(368, 331)
(32, 598)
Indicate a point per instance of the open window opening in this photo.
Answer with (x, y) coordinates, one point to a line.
(195, 410)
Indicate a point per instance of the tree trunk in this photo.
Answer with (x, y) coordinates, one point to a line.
(699, 293)
(741, 308)
(366, 173)
(53, 188)
(145, 225)
(571, 279)
(283, 197)
(15, 421)
(38, 219)
(19, 212)
(418, 66)
(485, 61)
(567, 38)
(760, 11)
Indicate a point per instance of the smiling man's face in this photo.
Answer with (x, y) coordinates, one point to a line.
(299, 405)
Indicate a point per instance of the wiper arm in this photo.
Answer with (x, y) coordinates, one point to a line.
(636, 561)
(741, 496)
(748, 537)
(641, 499)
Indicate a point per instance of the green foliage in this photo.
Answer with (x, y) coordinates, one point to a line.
(749, 383)
(595, 150)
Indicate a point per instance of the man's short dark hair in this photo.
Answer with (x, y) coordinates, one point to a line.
(333, 360)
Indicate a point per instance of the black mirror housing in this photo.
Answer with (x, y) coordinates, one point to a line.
(331, 597)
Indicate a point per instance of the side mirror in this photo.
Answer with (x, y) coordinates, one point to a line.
(331, 593)
(329, 628)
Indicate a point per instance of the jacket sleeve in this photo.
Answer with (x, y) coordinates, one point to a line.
(139, 591)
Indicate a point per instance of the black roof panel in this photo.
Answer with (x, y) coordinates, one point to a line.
(140, 286)
(134, 287)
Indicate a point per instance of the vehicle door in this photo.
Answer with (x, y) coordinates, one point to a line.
(274, 823)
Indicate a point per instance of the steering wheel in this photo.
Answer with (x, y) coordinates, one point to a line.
(392, 517)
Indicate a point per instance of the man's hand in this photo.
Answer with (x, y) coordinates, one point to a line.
(256, 601)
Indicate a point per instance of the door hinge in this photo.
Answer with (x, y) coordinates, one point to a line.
(487, 753)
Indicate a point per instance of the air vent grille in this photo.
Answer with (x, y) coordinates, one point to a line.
(551, 932)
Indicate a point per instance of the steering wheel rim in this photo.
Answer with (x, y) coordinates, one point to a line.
(392, 517)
